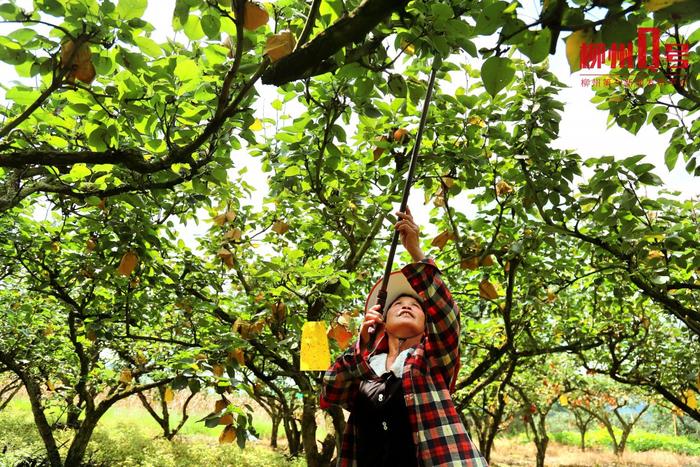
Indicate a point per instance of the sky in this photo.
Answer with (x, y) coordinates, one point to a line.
(583, 128)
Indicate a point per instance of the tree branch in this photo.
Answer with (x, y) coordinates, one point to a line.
(313, 57)
(309, 26)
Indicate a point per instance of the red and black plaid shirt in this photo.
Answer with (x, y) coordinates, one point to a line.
(429, 375)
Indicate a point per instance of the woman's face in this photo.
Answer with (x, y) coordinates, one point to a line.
(405, 318)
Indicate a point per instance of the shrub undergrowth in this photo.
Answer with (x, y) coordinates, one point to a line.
(638, 441)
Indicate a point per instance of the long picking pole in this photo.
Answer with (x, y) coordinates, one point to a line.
(381, 297)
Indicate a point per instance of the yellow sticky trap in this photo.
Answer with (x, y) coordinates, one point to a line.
(315, 355)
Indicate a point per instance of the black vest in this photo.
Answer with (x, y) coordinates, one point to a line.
(384, 435)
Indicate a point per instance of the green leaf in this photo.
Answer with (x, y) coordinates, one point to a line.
(441, 11)
(468, 46)
(52, 7)
(397, 85)
(180, 14)
(212, 422)
(690, 166)
(219, 174)
(211, 25)
(128, 9)
(148, 46)
(364, 87)
(103, 65)
(193, 28)
(287, 137)
(320, 246)
(194, 385)
(107, 7)
(618, 31)
(180, 382)
(23, 35)
(536, 45)
(633, 161)
(497, 73)
(12, 52)
(241, 436)
(371, 111)
(79, 171)
(22, 95)
(490, 19)
(670, 157)
(9, 11)
(572, 17)
(27, 69)
(677, 11)
(93, 200)
(186, 69)
(649, 178)
(133, 62)
(292, 171)
(441, 46)
(98, 139)
(215, 54)
(459, 29)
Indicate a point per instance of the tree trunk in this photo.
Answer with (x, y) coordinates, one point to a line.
(607, 423)
(541, 439)
(494, 422)
(167, 433)
(73, 417)
(42, 424)
(291, 431)
(582, 425)
(314, 458)
(490, 439)
(160, 420)
(611, 432)
(77, 449)
(76, 452)
(541, 451)
(308, 432)
(339, 426)
(541, 442)
(626, 428)
(275, 428)
(623, 440)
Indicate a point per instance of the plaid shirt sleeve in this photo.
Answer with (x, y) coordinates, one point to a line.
(342, 379)
(442, 343)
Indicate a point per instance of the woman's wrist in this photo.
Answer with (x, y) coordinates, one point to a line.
(417, 255)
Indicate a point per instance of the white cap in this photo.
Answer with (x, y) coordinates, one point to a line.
(398, 285)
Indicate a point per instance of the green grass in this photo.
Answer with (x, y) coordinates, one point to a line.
(130, 437)
(139, 416)
(638, 441)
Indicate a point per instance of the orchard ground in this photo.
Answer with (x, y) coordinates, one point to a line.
(129, 436)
